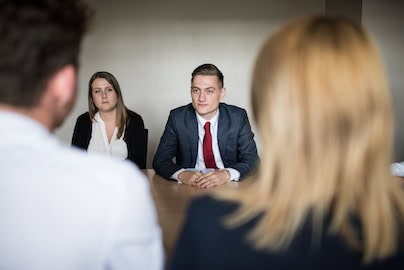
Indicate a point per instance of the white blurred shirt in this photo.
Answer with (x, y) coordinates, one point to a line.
(398, 169)
(62, 209)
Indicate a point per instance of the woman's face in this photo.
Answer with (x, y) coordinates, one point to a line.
(104, 95)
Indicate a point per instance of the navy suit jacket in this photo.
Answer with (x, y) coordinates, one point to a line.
(180, 141)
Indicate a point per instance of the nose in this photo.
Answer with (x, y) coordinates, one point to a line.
(103, 93)
(202, 96)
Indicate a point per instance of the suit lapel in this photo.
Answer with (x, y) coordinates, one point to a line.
(223, 126)
(191, 125)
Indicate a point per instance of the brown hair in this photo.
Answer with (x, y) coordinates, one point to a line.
(209, 70)
(121, 110)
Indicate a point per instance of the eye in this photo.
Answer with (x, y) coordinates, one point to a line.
(195, 91)
(109, 90)
(97, 91)
(210, 91)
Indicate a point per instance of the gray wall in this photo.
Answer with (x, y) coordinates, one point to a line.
(153, 46)
(385, 20)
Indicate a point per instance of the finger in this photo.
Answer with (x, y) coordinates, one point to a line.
(203, 182)
(193, 180)
(209, 184)
(201, 177)
(211, 181)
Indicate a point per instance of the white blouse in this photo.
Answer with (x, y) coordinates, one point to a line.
(99, 144)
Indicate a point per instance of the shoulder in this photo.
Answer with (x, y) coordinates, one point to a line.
(236, 116)
(207, 215)
(83, 123)
(115, 188)
(133, 115)
(134, 119)
(182, 109)
(232, 109)
(100, 172)
(210, 206)
(84, 118)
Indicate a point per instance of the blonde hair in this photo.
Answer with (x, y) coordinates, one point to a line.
(322, 107)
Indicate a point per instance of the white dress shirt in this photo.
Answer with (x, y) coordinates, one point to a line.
(200, 162)
(99, 143)
(63, 209)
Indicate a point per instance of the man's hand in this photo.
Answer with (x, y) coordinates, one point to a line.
(189, 178)
(212, 179)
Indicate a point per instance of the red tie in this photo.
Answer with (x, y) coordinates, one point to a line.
(207, 148)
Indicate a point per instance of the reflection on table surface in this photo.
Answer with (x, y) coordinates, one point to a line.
(171, 200)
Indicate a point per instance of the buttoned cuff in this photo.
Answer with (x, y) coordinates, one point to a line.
(234, 174)
(175, 175)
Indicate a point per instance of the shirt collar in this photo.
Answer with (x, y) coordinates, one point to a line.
(202, 121)
(98, 118)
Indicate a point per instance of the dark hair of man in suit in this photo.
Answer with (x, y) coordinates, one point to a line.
(38, 38)
(209, 70)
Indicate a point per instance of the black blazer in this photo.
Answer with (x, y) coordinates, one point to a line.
(180, 140)
(135, 136)
(205, 243)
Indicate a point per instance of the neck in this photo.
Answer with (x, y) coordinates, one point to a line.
(109, 116)
(208, 117)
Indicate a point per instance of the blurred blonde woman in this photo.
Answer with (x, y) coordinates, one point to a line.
(323, 196)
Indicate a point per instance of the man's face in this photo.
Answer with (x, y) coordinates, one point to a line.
(206, 94)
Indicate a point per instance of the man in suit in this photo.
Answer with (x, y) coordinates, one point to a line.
(60, 208)
(212, 142)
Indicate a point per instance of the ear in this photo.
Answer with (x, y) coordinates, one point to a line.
(60, 96)
(222, 92)
(63, 85)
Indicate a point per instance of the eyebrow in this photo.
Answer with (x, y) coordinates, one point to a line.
(209, 88)
(106, 87)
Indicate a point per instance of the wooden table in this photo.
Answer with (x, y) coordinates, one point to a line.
(171, 200)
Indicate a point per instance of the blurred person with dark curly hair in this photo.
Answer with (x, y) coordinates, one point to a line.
(55, 213)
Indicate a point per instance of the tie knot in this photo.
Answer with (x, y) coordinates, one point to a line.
(207, 126)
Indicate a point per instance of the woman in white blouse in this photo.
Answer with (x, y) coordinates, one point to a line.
(108, 127)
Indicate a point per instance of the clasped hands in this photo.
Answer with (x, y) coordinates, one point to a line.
(207, 180)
